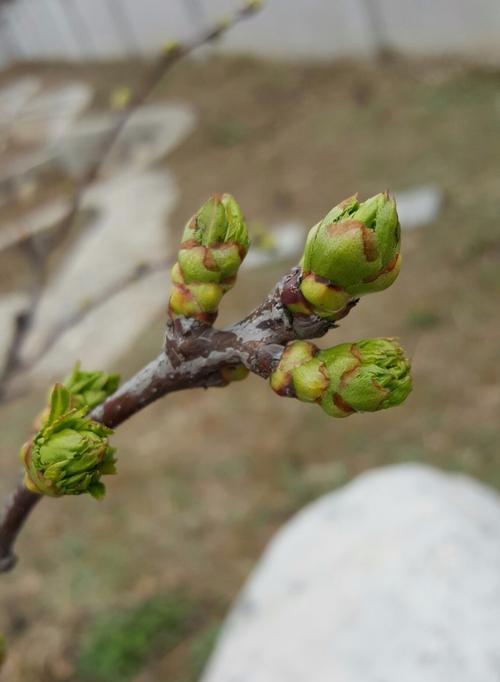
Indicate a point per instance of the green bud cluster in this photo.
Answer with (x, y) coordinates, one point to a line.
(353, 251)
(214, 243)
(365, 376)
(89, 389)
(70, 453)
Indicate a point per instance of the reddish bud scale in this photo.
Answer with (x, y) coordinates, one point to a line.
(353, 251)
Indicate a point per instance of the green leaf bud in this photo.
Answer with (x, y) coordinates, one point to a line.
(219, 221)
(310, 380)
(296, 353)
(197, 264)
(353, 251)
(70, 453)
(89, 389)
(366, 376)
(214, 244)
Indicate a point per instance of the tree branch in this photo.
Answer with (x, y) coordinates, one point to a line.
(195, 356)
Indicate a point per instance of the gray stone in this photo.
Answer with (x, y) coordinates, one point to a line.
(47, 116)
(14, 97)
(129, 228)
(24, 171)
(149, 134)
(106, 332)
(34, 117)
(285, 241)
(394, 578)
(41, 219)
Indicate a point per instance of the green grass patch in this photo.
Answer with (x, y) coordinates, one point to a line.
(423, 319)
(117, 645)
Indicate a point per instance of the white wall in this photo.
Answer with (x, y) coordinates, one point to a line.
(76, 29)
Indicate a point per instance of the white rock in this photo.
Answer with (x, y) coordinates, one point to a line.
(129, 228)
(419, 206)
(41, 219)
(106, 332)
(14, 97)
(25, 169)
(47, 116)
(395, 578)
(287, 241)
(149, 134)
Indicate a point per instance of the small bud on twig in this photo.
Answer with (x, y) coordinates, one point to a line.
(70, 453)
(120, 98)
(254, 5)
(87, 389)
(353, 251)
(366, 376)
(214, 243)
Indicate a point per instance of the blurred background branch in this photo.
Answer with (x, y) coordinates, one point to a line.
(131, 101)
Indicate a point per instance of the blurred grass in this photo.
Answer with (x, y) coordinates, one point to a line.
(206, 477)
(421, 318)
(116, 646)
(201, 648)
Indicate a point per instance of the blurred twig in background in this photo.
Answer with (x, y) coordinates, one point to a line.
(130, 102)
(74, 318)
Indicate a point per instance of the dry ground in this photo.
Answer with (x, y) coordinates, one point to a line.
(206, 477)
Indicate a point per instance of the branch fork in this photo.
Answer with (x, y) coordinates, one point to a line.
(272, 342)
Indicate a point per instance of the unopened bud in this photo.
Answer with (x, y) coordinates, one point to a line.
(214, 243)
(70, 453)
(89, 389)
(366, 376)
(353, 251)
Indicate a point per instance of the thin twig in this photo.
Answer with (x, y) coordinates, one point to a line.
(163, 63)
(17, 510)
(23, 319)
(75, 317)
(67, 323)
(196, 356)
